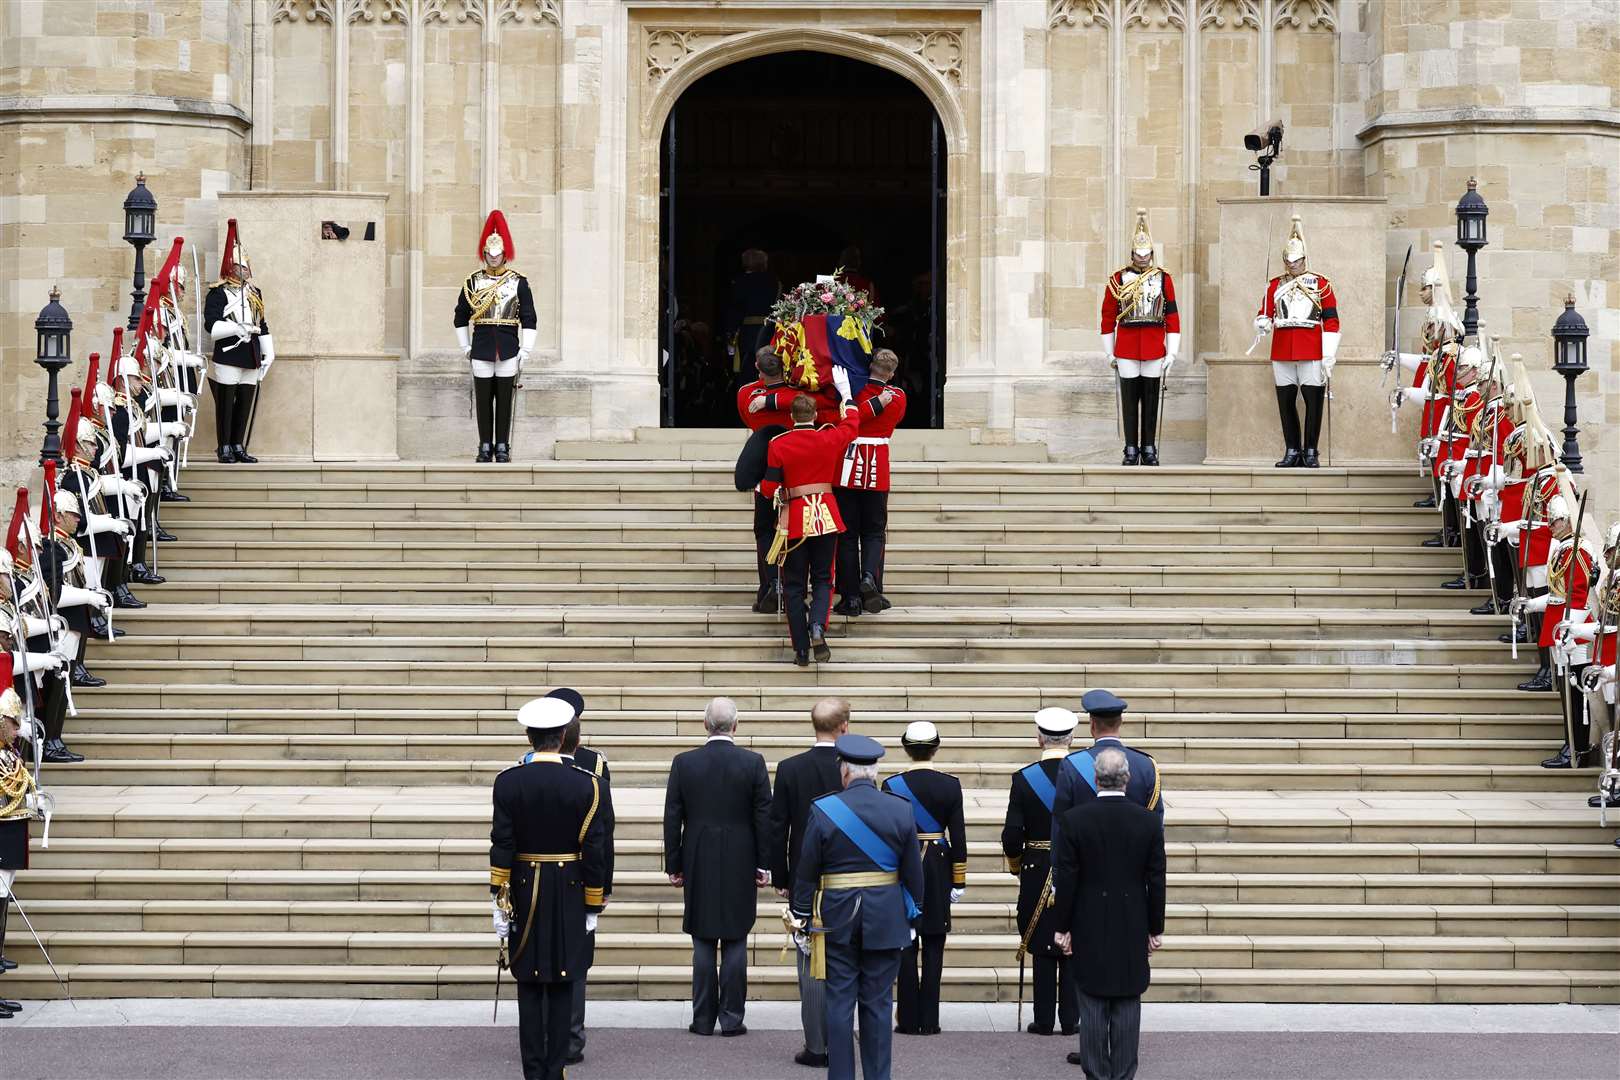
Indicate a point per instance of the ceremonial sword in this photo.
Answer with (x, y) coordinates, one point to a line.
(1395, 329)
(42, 950)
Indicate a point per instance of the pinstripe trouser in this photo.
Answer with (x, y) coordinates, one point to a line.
(812, 1007)
(1109, 1031)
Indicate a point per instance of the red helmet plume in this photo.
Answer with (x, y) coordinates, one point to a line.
(496, 223)
(117, 355)
(46, 499)
(16, 540)
(231, 253)
(70, 429)
(92, 374)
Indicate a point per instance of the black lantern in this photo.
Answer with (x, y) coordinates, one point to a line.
(1569, 360)
(1471, 214)
(140, 217)
(55, 346)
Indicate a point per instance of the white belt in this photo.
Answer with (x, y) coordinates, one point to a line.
(864, 440)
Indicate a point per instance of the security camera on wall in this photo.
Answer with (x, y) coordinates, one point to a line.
(1266, 141)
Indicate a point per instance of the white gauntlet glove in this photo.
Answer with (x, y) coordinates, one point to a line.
(168, 429)
(1330, 352)
(1108, 348)
(1172, 350)
(464, 338)
(267, 352)
(1262, 324)
(179, 398)
(140, 455)
(525, 345)
(73, 596)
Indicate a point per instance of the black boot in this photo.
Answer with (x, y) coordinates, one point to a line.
(1288, 413)
(1541, 681)
(224, 409)
(1150, 455)
(503, 453)
(1522, 633)
(1150, 420)
(484, 409)
(871, 595)
(1559, 760)
(1455, 583)
(486, 454)
(1130, 403)
(1132, 456)
(246, 393)
(1488, 607)
(818, 644)
(5, 909)
(123, 598)
(167, 537)
(1315, 405)
(143, 576)
(57, 753)
(168, 494)
(79, 675)
(503, 417)
(1426, 503)
(848, 606)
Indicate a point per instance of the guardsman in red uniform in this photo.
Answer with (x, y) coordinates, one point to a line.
(862, 492)
(761, 404)
(1571, 570)
(1450, 443)
(1301, 314)
(1602, 631)
(1442, 329)
(1141, 334)
(1483, 479)
(800, 468)
(1464, 431)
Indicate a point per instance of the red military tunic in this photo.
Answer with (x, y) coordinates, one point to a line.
(866, 462)
(775, 410)
(1566, 590)
(1441, 383)
(1490, 429)
(1454, 435)
(1309, 310)
(801, 467)
(1140, 330)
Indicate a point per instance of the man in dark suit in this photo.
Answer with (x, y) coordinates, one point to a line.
(800, 781)
(936, 803)
(716, 848)
(856, 894)
(593, 762)
(1076, 782)
(547, 877)
(1108, 868)
(1026, 839)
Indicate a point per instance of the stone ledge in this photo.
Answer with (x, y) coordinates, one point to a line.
(1547, 119)
(123, 108)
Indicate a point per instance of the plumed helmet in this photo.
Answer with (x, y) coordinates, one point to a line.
(1294, 247)
(67, 503)
(496, 239)
(1141, 239)
(11, 706)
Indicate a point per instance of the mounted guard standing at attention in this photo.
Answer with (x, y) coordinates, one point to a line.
(495, 325)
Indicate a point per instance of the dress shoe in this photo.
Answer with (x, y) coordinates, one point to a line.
(98, 627)
(226, 455)
(1074, 1058)
(1435, 541)
(1068, 1031)
(740, 1029)
(1559, 760)
(143, 576)
(123, 598)
(1522, 632)
(1036, 1029)
(849, 606)
(1457, 582)
(172, 496)
(503, 453)
(693, 1028)
(1425, 503)
(1613, 801)
(1150, 455)
(1132, 456)
(6, 1014)
(243, 456)
(886, 604)
(486, 453)
(57, 753)
(165, 536)
(814, 1061)
(11, 1006)
(764, 605)
(7, 965)
(1290, 460)
(80, 676)
(898, 1030)
(575, 1058)
(871, 595)
(1487, 607)
(1311, 461)
(801, 658)
(818, 644)
(1540, 682)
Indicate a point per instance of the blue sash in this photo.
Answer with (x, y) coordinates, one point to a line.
(1086, 765)
(872, 846)
(925, 820)
(1040, 785)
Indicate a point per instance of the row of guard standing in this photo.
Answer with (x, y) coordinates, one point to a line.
(1515, 513)
(64, 574)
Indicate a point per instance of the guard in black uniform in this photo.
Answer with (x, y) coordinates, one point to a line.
(1026, 839)
(243, 348)
(16, 807)
(496, 327)
(936, 804)
(548, 876)
(592, 761)
(856, 895)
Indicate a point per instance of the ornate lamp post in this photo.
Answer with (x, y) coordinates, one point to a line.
(1471, 212)
(1569, 360)
(140, 215)
(55, 331)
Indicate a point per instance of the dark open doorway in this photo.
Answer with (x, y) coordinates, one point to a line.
(801, 155)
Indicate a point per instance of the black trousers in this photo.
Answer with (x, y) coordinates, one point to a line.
(917, 992)
(1502, 554)
(1056, 992)
(808, 571)
(1139, 404)
(543, 1011)
(718, 996)
(764, 534)
(866, 526)
(576, 1010)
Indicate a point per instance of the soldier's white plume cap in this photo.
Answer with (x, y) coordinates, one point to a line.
(1472, 356)
(1055, 720)
(546, 713)
(921, 731)
(11, 705)
(66, 502)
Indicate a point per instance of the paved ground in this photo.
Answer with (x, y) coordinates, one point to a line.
(454, 1040)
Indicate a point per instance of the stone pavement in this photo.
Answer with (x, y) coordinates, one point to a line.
(410, 1040)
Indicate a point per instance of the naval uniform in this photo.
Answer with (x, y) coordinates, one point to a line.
(861, 918)
(547, 855)
(936, 801)
(594, 763)
(800, 781)
(1076, 781)
(1026, 839)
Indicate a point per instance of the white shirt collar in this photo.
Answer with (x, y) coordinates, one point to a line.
(1107, 738)
(824, 745)
(1110, 794)
(719, 738)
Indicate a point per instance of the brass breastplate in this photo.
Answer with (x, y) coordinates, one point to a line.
(493, 298)
(1298, 303)
(1141, 298)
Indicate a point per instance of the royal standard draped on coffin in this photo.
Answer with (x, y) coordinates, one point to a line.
(811, 347)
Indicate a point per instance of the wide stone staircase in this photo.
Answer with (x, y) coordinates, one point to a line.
(287, 791)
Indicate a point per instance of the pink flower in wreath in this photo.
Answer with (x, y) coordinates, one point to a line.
(826, 298)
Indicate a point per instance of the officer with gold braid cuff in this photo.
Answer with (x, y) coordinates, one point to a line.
(547, 872)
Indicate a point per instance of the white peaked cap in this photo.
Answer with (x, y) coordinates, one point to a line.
(546, 712)
(921, 731)
(1055, 720)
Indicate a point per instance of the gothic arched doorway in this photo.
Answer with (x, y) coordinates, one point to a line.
(801, 155)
